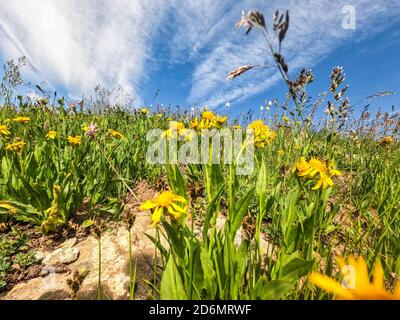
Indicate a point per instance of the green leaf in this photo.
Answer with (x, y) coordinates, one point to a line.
(270, 290)
(209, 274)
(241, 211)
(261, 184)
(211, 209)
(87, 223)
(171, 287)
(295, 268)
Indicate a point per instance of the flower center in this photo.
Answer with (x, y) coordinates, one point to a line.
(207, 115)
(165, 199)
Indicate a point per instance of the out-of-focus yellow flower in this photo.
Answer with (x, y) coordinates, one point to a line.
(220, 120)
(3, 227)
(144, 111)
(166, 202)
(116, 134)
(22, 119)
(75, 140)
(356, 284)
(188, 134)
(281, 152)
(51, 135)
(386, 141)
(4, 130)
(317, 167)
(17, 146)
(236, 126)
(175, 129)
(263, 135)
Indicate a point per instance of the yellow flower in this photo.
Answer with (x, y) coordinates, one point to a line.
(356, 284)
(74, 140)
(208, 115)
(281, 152)
(386, 141)
(317, 167)
(3, 227)
(262, 133)
(51, 135)
(17, 146)
(188, 134)
(194, 124)
(207, 121)
(4, 130)
(8, 206)
(175, 128)
(116, 134)
(22, 119)
(144, 111)
(256, 125)
(166, 202)
(220, 120)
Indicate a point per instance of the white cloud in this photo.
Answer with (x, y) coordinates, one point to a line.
(79, 44)
(315, 31)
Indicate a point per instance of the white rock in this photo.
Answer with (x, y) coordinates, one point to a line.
(62, 255)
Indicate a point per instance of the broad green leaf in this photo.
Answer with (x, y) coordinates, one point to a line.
(171, 287)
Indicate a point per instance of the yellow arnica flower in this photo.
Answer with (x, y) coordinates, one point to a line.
(220, 120)
(144, 111)
(175, 128)
(51, 135)
(4, 130)
(263, 135)
(17, 146)
(188, 134)
(75, 140)
(317, 167)
(166, 202)
(208, 120)
(116, 134)
(386, 141)
(356, 284)
(194, 124)
(22, 119)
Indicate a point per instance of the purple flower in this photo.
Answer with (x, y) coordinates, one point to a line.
(91, 130)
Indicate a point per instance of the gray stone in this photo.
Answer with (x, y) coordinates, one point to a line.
(62, 255)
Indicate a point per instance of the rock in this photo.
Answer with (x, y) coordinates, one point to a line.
(69, 243)
(84, 256)
(62, 255)
(40, 255)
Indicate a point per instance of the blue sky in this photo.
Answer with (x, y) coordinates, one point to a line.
(185, 49)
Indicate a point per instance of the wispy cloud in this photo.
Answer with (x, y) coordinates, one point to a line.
(315, 32)
(79, 44)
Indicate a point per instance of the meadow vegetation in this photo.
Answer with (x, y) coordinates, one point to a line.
(324, 196)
